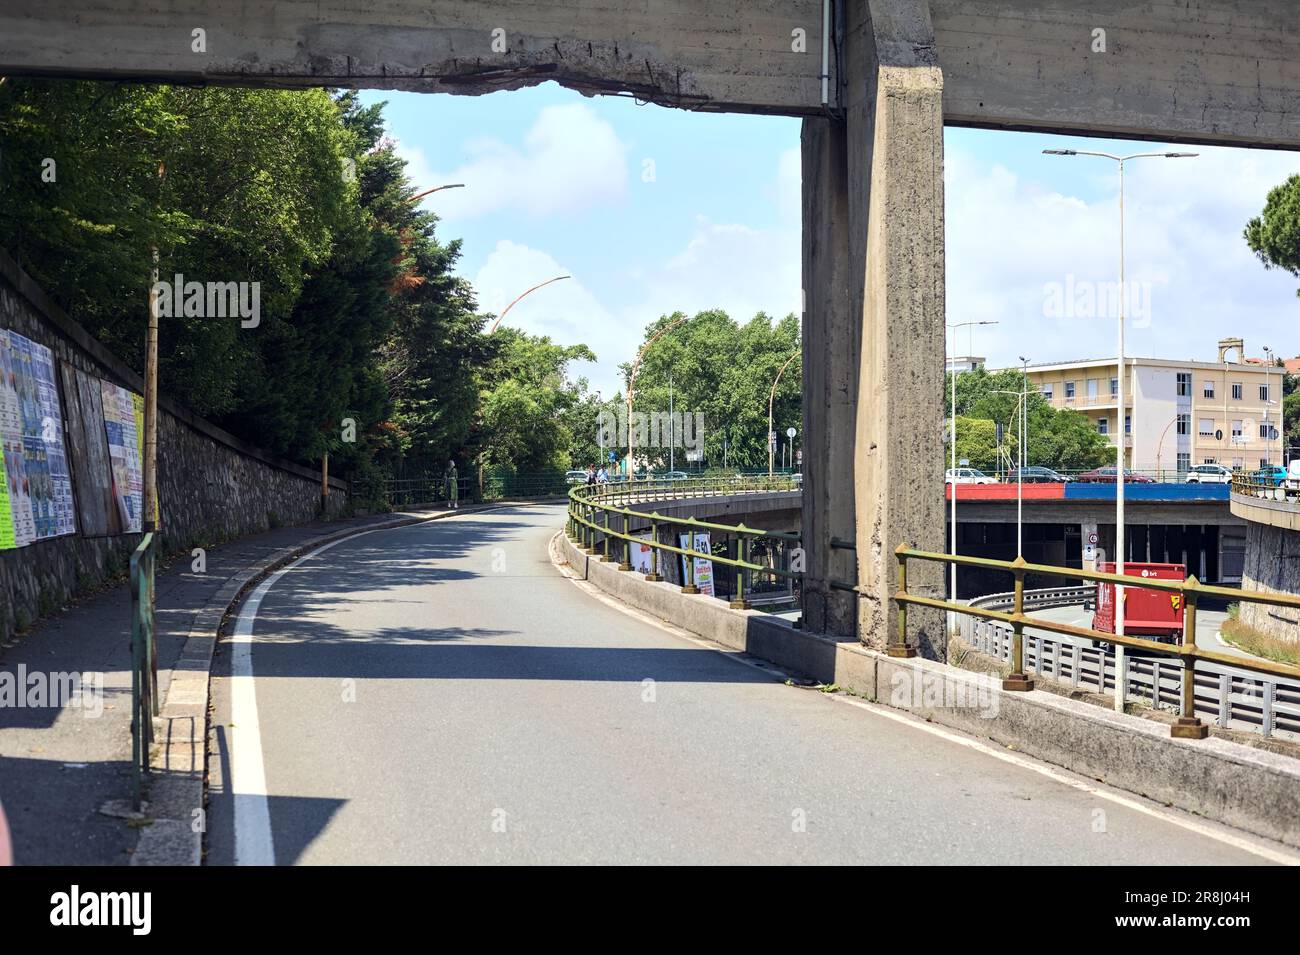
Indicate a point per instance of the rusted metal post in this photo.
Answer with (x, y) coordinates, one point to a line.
(690, 587)
(1018, 680)
(899, 647)
(742, 551)
(654, 551)
(1188, 726)
(627, 546)
(605, 558)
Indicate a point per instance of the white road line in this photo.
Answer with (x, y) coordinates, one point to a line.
(1255, 845)
(254, 842)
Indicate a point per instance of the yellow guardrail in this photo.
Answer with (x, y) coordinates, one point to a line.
(591, 508)
(1287, 490)
(1192, 591)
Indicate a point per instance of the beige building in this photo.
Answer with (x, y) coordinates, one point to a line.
(1177, 413)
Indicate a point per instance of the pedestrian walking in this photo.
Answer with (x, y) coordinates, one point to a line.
(452, 482)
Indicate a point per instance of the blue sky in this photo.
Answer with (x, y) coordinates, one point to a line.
(653, 209)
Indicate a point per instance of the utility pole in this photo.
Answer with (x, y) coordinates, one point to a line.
(149, 519)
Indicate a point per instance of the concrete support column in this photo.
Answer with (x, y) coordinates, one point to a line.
(873, 328)
(894, 122)
(832, 337)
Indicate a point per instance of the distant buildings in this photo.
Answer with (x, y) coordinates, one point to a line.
(1177, 413)
(960, 363)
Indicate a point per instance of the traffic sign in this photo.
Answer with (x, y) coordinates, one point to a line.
(790, 432)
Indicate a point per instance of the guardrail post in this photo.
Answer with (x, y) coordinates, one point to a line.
(654, 551)
(627, 546)
(1018, 680)
(690, 587)
(591, 530)
(899, 647)
(1188, 726)
(604, 543)
(742, 551)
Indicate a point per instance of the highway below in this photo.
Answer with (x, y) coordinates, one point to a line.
(442, 693)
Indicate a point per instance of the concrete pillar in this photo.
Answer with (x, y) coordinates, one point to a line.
(894, 121)
(832, 338)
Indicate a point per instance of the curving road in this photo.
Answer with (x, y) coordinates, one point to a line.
(441, 693)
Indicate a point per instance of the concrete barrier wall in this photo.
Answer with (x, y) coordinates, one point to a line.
(1252, 789)
(211, 485)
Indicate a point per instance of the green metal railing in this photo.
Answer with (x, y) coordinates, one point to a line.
(144, 662)
(1188, 726)
(1247, 485)
(601, 516)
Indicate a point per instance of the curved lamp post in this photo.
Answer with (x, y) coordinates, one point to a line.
(771, 397)
(420, 195)
(631, 385)
(512, 304)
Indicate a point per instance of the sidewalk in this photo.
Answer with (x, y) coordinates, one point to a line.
(58, 766)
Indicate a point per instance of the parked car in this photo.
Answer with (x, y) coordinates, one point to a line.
(1209, 474)
(1037, 475)
(1293, 473)
(575, 477)
(675, 475)
(1107, 476)
(1272, 476)
(967, 476)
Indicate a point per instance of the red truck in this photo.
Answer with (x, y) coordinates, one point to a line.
(1147, 613)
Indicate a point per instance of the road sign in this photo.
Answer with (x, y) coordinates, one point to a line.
(613, 456)
(790, 432)
(1092, 539)
(798, 455)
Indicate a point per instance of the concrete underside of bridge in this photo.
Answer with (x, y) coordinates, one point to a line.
(1214, 71)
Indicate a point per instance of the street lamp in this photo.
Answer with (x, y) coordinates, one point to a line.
(512, 304)
(771, 397)
(1120, 556)
(1268, 426)
(420, 195)
(952, 438)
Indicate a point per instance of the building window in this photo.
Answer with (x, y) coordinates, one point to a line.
(1128, 424)
(1263, 462)
(1209, 461)
(1209, 389)
(1092, 389)
(1184, 461)
(1103, 426)
(1238, 463)
(1263, 392)
(1184, 424)
(1184, 384)
(1236, 391)
(1207, 428)
(1047, 391)
(1114, 387)
(1069, 391)
(1267, 432)
(1236, 431)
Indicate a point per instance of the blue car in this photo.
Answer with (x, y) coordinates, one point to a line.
(1272, 476)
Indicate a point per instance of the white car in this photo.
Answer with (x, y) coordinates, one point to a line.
(1209, 474)
(967, 476)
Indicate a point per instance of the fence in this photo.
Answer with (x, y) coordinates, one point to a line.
(1286, 491)
(1224, 695)
(1184, 670)
(144, 661)
(591, 508)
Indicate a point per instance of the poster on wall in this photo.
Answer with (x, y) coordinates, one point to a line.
(642, 553)
(36, 492)
(122, 413)
(703, 566)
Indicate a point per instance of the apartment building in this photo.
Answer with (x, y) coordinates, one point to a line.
(1176, 413)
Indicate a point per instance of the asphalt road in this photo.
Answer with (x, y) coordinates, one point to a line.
(442, 694)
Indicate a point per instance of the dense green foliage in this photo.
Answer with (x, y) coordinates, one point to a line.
(1274, 235)
(1058, 437)
(724, 371)
(361, 317)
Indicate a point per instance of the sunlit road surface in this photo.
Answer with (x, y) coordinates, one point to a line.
(441, 693)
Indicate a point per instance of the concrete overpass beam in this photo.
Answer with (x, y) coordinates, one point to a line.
(894, 116)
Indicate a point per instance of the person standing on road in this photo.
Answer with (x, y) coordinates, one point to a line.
(591, 475)
(602, 476)
(452, 482)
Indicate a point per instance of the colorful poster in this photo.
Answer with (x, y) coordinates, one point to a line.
(703, 566)
(125, 453)
(12, 386)
(642, 554)
(56, 496)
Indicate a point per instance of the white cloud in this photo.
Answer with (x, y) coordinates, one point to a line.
(1009, 235)
(571, 160)
(731, 266)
